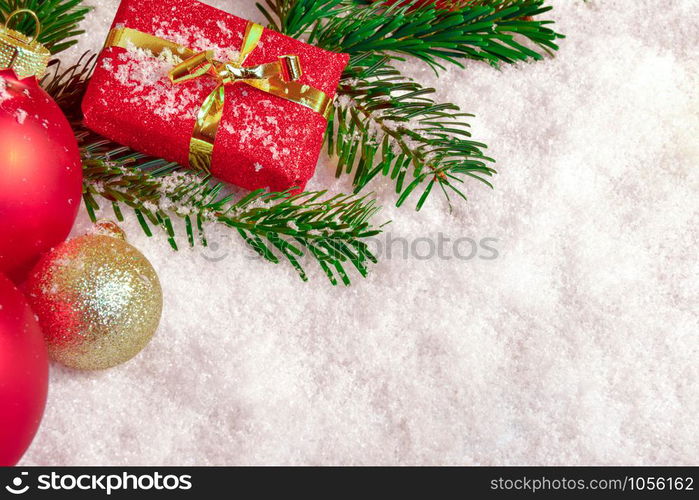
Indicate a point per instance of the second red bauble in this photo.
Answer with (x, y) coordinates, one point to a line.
(40, 174)
(24, 368)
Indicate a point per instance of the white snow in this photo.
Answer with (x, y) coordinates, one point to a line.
(578, 344)
(20, 116)
(4, 93)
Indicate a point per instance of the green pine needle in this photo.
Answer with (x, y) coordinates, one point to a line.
(387, 125)
(485, 30)
(332, 230)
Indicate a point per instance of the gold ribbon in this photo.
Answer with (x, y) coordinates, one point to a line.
(278, 78)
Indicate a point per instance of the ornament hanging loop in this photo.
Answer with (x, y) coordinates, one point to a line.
(37, 22)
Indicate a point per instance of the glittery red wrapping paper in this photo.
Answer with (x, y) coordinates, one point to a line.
(263, 140)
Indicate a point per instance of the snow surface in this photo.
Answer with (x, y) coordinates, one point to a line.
(577, 345)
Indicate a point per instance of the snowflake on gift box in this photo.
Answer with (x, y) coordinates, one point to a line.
(147, 77)
(194, 38)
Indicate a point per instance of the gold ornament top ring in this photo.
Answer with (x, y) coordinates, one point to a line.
(37, 28)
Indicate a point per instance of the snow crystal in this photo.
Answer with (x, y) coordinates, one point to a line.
(20, 116)
(107, 64)
(260, 129)
(194, 38)
(148, 76)
(224, 29)
(4, 94)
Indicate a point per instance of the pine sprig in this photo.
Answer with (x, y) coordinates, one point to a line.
(67, 86)
(59, 20)
(482, 30)
(434, 36)
(332, 230)
(293, 18)
(386, 124)
(279, 226)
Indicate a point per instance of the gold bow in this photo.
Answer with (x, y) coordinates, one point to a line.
(279, 78)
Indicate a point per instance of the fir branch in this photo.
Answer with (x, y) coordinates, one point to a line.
(332, 230)
(59, 20)
(485, 30)
(474, 31)
(279, 226)
(386, 124)
(68, 86)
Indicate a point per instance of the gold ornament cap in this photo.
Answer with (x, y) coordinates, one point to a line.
(21, 53)
(106, 227)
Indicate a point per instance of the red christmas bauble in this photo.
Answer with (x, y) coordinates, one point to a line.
(24, 370)
(40, 174)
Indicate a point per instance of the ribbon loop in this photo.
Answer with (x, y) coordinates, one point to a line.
(291, 67)
(194, 67)
(231, 72)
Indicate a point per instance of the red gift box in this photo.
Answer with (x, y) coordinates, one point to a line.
(262, 141)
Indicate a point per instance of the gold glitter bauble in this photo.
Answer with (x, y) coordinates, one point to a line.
(98, 300)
